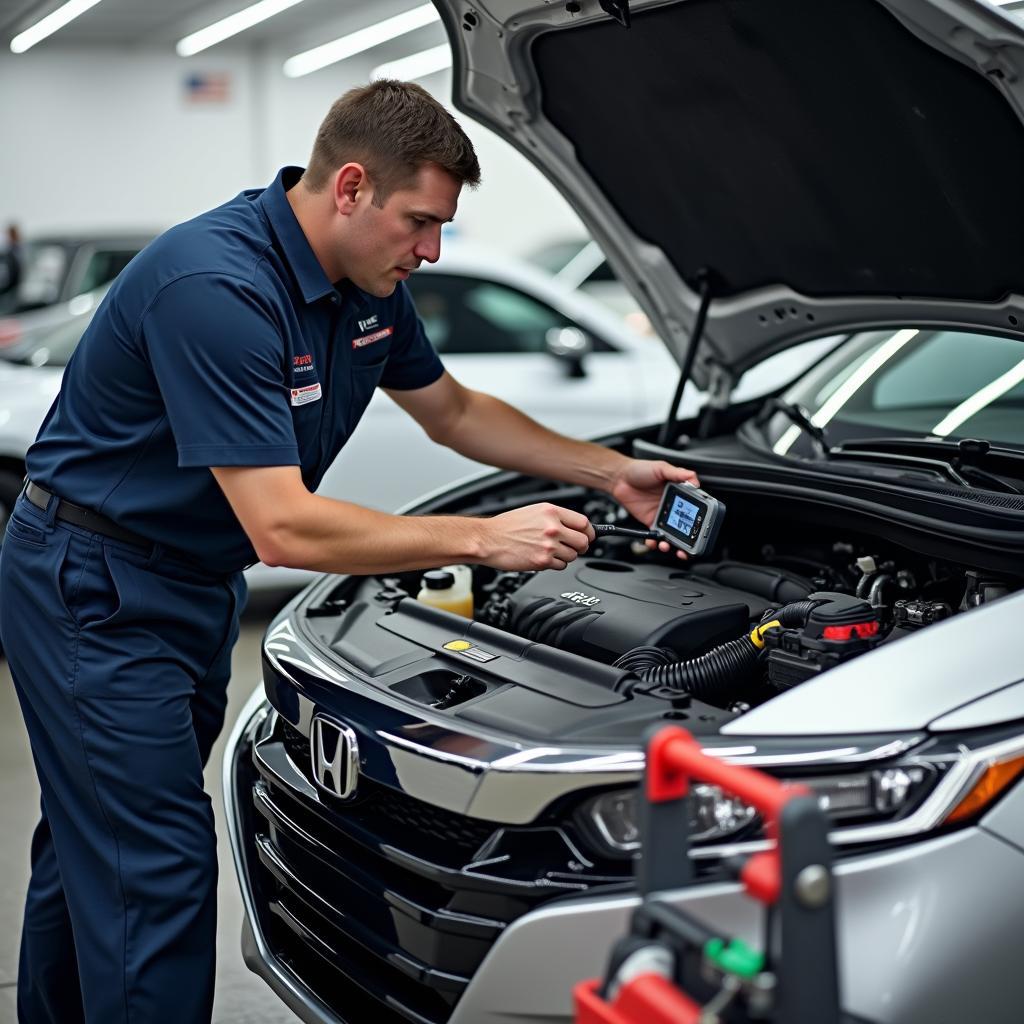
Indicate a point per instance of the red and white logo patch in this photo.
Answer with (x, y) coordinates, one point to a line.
(369, 339)
(310, 393)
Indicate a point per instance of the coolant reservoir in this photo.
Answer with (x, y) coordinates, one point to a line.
(450, 588)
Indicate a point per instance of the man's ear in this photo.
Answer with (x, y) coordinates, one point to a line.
(351, 186)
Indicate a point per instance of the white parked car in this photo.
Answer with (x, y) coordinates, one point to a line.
(500, 325)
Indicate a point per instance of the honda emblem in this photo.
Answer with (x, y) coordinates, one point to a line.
(335, 753)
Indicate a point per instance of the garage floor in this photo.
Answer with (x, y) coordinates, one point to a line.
(241, 998)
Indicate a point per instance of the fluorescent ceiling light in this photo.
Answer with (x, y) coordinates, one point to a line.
(357, 42)
(416, 65)
(232, 25)
(50, 24)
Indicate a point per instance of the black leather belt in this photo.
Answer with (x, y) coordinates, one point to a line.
(87, 519)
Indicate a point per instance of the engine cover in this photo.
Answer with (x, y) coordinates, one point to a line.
(602, 608)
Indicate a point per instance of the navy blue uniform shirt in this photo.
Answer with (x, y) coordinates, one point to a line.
(222, 343)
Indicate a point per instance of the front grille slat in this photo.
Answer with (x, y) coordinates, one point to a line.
(341, 923)
(456, 924)
(444, 939)
(331, 961)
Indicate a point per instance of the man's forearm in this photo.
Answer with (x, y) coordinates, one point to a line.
(493, 432)
(289, 526)
(337, 536)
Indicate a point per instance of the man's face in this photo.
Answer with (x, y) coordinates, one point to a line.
(384, 245)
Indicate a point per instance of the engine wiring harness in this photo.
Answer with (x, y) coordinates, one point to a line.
(799, 640)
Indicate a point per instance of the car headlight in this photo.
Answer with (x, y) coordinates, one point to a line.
(951, 782)
(715, 816)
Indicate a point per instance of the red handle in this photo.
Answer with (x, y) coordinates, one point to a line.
(674, 757)
(646, 999)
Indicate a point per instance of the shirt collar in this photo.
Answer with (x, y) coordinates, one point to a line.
(313, 282)
(350, 293)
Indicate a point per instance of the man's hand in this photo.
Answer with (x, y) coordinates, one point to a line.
(638, 486)
(542, 536)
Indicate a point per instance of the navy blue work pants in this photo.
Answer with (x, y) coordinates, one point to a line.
(120, 658)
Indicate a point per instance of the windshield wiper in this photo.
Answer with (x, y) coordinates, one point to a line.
(801, 417)
(961, 459)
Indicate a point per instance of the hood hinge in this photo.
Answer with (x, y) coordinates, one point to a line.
(618, 9)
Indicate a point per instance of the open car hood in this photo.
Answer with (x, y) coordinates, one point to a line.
(821, 166)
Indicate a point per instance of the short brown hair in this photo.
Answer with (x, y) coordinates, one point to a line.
(392, 128)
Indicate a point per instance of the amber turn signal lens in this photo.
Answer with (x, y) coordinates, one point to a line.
(996, 778)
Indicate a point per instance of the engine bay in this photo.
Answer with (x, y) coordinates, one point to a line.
(625, 634)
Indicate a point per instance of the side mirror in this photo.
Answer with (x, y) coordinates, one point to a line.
(570, 346)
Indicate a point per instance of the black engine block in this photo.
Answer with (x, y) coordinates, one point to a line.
(602, 608)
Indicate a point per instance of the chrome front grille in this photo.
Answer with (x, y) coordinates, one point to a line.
(385, 906)
(390, 806)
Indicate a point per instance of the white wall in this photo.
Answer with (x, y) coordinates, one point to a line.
(105, 139)
(96, 139)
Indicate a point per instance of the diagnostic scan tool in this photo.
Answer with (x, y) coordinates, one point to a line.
(689, 518)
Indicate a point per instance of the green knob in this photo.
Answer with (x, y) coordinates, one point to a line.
(735, 958)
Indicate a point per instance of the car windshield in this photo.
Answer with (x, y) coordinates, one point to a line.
(909, 382)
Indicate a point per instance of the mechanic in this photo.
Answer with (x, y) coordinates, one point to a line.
(225, 369)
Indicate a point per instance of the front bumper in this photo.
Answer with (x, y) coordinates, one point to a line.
(927, 932)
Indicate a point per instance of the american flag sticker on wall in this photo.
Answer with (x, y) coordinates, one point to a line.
(207, 87)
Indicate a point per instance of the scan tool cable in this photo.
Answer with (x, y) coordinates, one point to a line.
(622, 531)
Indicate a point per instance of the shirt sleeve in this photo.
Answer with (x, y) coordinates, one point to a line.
(412, 361)
(216, 351)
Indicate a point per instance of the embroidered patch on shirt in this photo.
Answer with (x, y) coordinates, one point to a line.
(310, 393)
(369, 339)
(302, 364)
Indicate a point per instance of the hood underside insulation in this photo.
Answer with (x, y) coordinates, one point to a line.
(822, 146)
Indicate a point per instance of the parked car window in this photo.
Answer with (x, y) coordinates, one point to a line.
(912, 382)
(465, 315)
(103, 266)
(45, 267)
